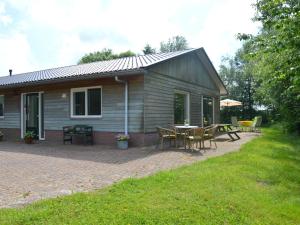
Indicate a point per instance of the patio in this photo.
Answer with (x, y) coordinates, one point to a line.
(32, 172)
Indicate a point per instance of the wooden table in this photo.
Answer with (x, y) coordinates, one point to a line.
(182, 129)
(186, 127)
(224, 127)
(227, 129)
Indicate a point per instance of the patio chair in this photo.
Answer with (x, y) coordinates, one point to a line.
(255, 127)
(83, 131)
(210, 134)
(67, 134)
(235, 123)
(180, 133)
(193, 136)
(164, 134)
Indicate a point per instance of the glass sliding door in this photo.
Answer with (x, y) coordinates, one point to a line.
(207, 116)
(33, 114)
(181, 107)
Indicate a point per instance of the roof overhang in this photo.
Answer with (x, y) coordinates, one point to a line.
(74, 78)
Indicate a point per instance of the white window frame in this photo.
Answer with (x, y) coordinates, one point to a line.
(202, 112)
(188, 105)
(23, 113)
(213, 108)
(83, 89)
(2, 117)
(40, 115)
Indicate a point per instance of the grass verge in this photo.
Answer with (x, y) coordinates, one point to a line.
(258, 185)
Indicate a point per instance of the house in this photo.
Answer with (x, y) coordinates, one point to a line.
(132, 94)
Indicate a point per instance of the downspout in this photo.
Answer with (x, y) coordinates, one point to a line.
(125, 82)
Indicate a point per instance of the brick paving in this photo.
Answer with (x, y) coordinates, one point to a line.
(32, 172)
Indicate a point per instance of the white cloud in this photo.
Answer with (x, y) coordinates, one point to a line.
(224, 21)
(75, 27)
(4, 18)
(15, 54)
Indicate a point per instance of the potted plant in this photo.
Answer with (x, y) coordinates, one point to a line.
(122, 141)
(29, 137)
(186, 122)
(1, 136)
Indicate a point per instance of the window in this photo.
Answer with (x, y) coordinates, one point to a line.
(86, 102)
(181, 107)
(1, 106)
(208, 117)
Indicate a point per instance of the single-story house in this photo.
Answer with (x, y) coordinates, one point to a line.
(128, 95)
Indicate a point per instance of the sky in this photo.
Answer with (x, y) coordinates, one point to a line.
(40, 34)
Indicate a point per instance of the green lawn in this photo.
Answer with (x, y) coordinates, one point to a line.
(258, 185)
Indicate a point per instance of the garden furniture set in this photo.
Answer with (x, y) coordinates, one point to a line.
(188, 135)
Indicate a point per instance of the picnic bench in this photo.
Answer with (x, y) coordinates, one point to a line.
(83, 131)
(227, 129)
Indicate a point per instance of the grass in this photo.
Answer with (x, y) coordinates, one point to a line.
(258, 185)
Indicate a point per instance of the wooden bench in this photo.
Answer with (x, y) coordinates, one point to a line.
(84, 131)
(227, 129)
(232, 133)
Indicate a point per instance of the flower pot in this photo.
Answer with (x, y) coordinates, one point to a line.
(122, 144)
(28, 140)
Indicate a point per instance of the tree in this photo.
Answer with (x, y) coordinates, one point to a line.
(126, 54)
(238, 77)
(275, 57)
(148, 50)
(176, 43)
(104, 54)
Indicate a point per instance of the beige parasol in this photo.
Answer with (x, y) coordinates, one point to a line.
(229, 102)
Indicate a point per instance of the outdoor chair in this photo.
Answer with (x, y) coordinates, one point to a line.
(83, 131)
(180, 133)
(194, 136)
(235, 123)
(255, 127)
(210, 134)
(166, 134)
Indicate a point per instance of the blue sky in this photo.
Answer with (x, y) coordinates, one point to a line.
(39, 34)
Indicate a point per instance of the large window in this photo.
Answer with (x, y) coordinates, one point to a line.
(181, 107)
(208, 117)
(1, 106)
(86, 102)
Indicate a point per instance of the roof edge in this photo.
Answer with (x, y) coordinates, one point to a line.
(187, 51)
(212, 69)
(75, 78)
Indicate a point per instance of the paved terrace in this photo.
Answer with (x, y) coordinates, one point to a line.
(32, 172)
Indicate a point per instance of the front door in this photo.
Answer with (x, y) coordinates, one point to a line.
(32, 114)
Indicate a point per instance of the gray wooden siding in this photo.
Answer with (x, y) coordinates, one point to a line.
(57, 109)
(11, 111)
(187, 68)
(185, 73)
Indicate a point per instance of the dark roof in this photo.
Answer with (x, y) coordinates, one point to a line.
(127, 65)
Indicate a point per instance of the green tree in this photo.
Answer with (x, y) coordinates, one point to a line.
(148, 49)
(275, 57)
(175, 43)
(126, 54)
(104, 54)
(238, 78)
